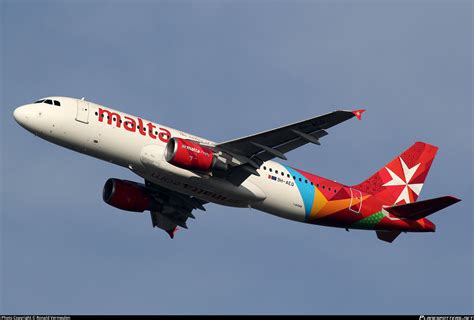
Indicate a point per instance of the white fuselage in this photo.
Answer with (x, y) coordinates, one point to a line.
(76, 125)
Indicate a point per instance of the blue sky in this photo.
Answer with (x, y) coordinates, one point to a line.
(224, 69)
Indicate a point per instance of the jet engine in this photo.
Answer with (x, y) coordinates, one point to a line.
(191, 155)
(127, 195)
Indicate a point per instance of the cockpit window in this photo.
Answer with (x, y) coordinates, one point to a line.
(49, 101)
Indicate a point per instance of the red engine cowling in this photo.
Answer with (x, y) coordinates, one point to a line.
(189, 155)
(127, 195)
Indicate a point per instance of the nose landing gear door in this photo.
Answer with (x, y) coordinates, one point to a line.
(82, 111)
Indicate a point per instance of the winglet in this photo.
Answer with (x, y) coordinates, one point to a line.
(358, 113)
(171, 232)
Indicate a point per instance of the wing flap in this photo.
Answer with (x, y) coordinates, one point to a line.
(293, 144)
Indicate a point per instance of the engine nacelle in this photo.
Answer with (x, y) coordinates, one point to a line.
(190, 155)
(127, 195)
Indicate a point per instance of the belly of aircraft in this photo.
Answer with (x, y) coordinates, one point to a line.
(196, 189)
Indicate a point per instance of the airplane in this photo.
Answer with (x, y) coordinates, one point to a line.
(183, 172)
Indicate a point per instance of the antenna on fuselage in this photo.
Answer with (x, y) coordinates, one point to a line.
(82, 98)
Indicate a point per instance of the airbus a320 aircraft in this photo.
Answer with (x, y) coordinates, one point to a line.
(183, 172)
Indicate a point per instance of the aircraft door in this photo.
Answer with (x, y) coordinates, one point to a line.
(356, 201)
(82, 111)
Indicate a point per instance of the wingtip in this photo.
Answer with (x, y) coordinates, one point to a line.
(171, 232)
(358, 113)
(454, 199)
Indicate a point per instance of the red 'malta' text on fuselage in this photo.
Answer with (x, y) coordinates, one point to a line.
(130, 124)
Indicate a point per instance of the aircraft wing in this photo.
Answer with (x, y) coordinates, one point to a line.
(252, 151)
(175, 208)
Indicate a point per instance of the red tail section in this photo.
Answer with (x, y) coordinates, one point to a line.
(401, 180)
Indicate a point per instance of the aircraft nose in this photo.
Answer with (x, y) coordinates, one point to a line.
(27, 116)
(21, 114)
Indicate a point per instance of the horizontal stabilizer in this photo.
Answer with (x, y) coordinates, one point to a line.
(388, 236)
(421, 209)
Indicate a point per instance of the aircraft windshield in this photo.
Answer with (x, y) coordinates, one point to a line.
(49, 101)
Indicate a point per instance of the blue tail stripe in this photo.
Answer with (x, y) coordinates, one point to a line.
(306, 190)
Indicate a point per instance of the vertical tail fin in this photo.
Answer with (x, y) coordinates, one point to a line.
(401, 180)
